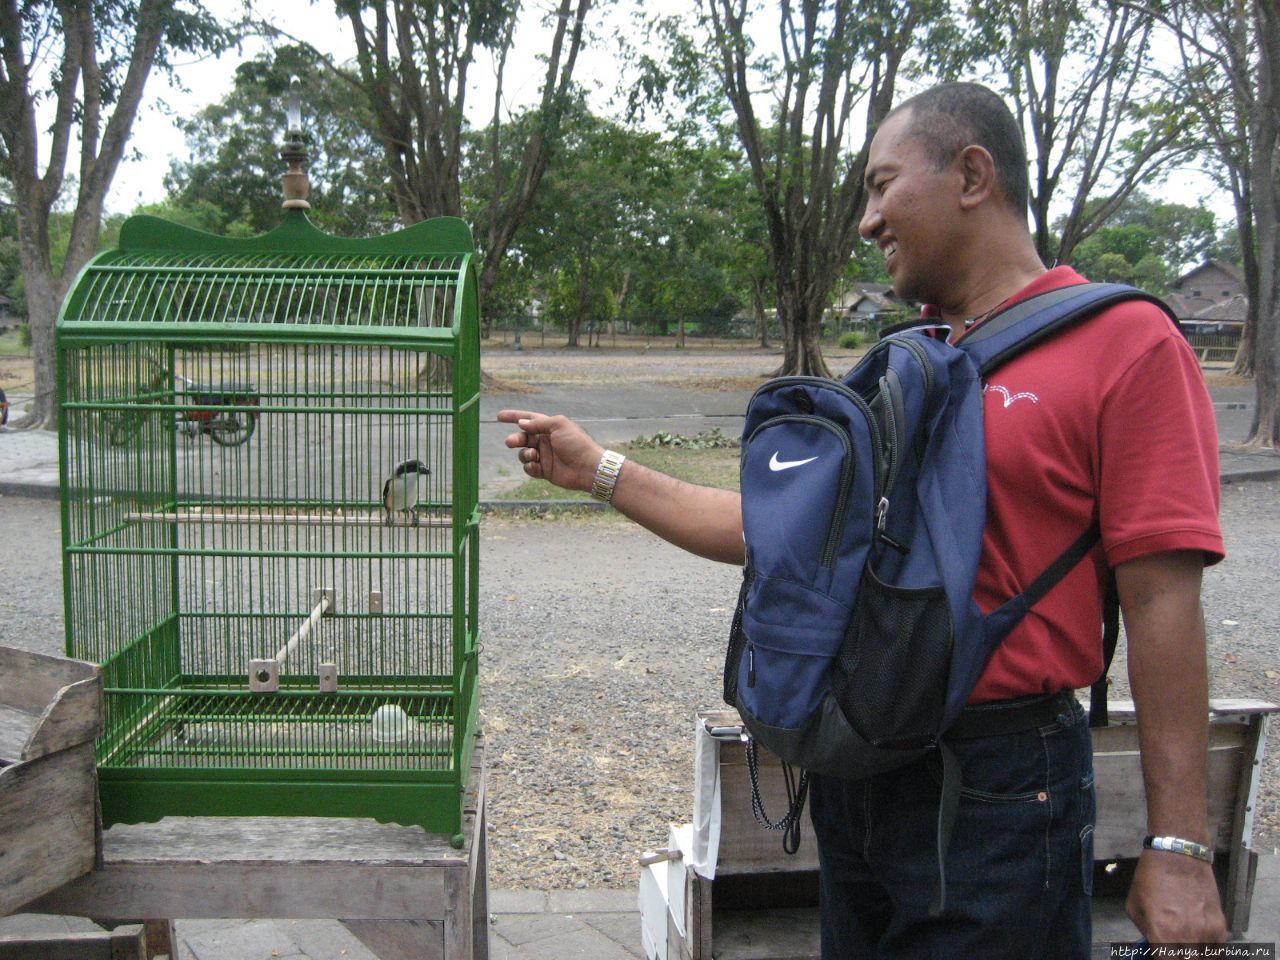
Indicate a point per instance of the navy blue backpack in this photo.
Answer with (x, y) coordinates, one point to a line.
(856, 641)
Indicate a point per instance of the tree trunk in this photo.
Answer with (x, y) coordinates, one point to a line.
(1246, 353)
(43, 301)
(757, 306)
(801, 349)
(1264, 129)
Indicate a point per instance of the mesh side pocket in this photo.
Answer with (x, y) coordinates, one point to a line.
(737, 641)
(890, 676)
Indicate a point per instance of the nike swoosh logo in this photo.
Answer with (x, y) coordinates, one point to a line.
(775, 464)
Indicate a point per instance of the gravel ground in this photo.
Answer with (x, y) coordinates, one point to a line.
(600, 644)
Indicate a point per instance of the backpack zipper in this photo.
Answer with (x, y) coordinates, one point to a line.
(893, 450)
(921, 357)
(891, 447)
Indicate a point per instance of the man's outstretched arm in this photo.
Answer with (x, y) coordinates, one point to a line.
(703, 520)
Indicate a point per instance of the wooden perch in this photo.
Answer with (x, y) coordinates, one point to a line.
(328, 518)
(264, 675)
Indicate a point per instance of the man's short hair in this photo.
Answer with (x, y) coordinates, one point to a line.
(951, 116)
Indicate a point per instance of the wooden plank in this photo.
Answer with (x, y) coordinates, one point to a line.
(699, 900)
(746, 846)
(480, 883)
(1124, 711)
(458, 927)
(267, 840)
(1238, 897)
(33, 679)
(1122, 798)
(162, 939)
(122, 943)
(48, 824)
(16, 727)
(317, 890)
(295, 867)
(73, 716)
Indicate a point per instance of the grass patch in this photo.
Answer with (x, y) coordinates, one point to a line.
(713, 467)
(1227, 380)
(11, 344)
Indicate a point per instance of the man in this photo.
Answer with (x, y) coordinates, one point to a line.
(1109, 421)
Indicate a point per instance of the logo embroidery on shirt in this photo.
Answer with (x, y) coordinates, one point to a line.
(1010, 398)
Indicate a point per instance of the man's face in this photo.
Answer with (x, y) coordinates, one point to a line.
(910, 210)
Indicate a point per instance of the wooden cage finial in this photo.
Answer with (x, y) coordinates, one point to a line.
(294, 153)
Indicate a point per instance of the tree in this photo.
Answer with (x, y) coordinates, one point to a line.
(98, 57)
(694, 250)
(834, 55)
(1079, 78)
(634, 225)
(412, 63)
(1146, 242)
(1264, 138)
(235, 164)
(1230, 77)
(1214, 75)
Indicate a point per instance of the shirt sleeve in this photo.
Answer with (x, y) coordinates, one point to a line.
(1158, 451)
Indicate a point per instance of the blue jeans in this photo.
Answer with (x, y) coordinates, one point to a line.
(1019, 869)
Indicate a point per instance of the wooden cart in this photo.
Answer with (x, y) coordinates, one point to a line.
(762, 903)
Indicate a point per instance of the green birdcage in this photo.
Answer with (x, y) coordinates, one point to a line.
(278, 635)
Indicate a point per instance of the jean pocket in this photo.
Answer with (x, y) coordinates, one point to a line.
(1088, 816)
(1007, 770)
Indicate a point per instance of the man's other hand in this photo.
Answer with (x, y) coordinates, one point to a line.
(1174, 899)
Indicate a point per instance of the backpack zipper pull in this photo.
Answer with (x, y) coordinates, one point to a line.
(882, 514)
(751, 665)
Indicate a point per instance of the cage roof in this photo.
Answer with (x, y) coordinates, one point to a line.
(295, 276)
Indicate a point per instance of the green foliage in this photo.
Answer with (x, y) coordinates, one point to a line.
(10, 256)
(1147, 242)
(631, 225)
(850, 339)
(712, 439)
(1226, 247)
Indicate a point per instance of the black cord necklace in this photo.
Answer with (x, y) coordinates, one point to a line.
(974, 321)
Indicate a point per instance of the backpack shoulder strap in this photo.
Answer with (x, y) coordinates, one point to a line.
(1098, 714)
(1017, 329)
(1003, 337)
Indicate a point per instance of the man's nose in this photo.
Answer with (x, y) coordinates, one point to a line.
(870, 223)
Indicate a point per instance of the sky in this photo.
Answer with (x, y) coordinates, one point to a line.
(157, 138)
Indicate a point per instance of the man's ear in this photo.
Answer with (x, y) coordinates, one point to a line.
(978, 170)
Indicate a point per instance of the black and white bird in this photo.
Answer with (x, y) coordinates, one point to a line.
(400, 492)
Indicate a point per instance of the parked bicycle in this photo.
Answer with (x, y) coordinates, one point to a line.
(227, 413)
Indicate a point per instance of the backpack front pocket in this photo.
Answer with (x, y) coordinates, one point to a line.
(798, 484)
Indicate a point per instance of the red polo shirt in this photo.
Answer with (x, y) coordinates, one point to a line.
(1108, 420)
